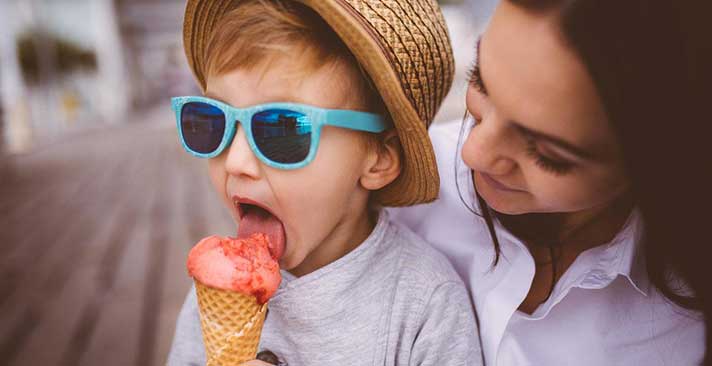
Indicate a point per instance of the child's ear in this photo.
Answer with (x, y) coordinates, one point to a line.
(383, 165)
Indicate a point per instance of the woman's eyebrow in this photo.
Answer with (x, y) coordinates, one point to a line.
(555, 141)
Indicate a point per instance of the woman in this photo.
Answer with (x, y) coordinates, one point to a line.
(572, 204)
(582, 158)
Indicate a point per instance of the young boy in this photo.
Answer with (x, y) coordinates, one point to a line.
(314, 115)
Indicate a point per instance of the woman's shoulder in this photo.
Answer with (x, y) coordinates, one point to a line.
(444, 137)
(451, 211)
(446, 129)
(448, 223)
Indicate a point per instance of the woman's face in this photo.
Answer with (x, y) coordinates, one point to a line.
(541, 141)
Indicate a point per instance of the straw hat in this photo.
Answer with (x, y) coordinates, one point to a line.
(404, 47)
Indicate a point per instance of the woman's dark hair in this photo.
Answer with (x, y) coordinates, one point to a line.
(650, 62)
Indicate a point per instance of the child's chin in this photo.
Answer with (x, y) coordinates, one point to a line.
(293, 265)
(288, 264)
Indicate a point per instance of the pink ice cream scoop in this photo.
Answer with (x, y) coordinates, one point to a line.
(243, 265)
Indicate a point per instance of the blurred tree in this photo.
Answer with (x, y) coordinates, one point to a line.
(67, 55)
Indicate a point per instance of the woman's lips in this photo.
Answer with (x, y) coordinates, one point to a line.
(497, 184)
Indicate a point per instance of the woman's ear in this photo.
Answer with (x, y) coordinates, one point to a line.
(383, 164)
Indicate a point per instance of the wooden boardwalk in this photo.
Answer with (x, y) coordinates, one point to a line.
(94, 233)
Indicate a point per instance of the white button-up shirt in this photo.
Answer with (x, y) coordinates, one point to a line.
(602, 311)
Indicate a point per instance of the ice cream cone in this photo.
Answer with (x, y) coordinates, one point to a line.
(234, 279)
(231, 323)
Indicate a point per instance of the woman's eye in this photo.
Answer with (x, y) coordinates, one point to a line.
(558, 167)
(475, 79)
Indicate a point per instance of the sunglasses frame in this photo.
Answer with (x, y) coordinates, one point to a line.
(319, 117)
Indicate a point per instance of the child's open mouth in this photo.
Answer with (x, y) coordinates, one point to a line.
(255, 218)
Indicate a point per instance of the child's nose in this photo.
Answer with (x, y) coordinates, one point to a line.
(241, 161)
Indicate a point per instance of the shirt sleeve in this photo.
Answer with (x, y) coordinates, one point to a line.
(448, 334)
(187, 348)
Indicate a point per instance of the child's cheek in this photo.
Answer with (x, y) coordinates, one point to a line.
(299, 196)
(216, 176)
(218, 180)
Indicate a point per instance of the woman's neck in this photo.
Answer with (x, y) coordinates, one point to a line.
(556, 240)
(596, 226)
(583, 229)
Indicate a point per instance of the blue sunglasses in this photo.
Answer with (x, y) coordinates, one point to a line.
(281, 135)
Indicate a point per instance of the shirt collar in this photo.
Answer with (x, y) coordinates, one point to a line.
(622, 256)
(598, 267)
(632, 257)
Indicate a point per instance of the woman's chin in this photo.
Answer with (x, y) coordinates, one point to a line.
(514, 206)
(507, 209)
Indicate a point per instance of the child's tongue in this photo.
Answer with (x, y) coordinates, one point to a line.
(257, 220)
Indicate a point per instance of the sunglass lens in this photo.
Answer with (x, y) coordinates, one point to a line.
(202, 126)
(283, 136)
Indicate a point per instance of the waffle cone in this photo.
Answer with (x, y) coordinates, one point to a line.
(231, 323)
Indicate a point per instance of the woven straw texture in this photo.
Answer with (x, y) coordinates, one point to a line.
(231, 323)
(416, 40)
(403, 45)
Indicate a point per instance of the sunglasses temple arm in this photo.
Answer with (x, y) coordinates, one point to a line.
(355, 120)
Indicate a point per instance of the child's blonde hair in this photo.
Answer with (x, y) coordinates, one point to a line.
(257, 30)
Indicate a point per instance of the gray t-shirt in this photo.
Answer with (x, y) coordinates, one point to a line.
(393, 300)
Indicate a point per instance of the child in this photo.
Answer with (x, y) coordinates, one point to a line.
(313, 117)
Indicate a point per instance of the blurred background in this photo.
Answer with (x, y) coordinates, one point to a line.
(99, 204)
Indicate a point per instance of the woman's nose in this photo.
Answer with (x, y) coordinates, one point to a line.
(487, 148)
(240, 160)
